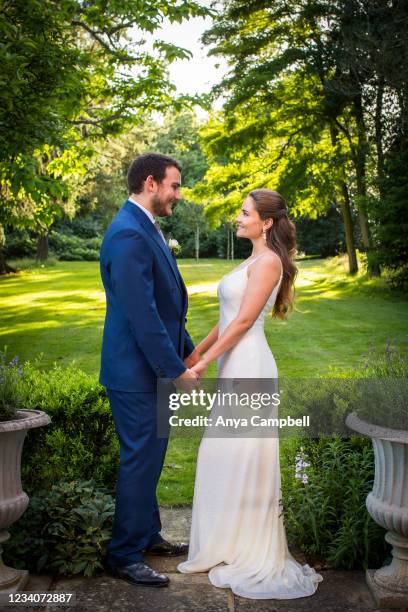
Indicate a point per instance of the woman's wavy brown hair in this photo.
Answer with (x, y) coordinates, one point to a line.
(280, 238)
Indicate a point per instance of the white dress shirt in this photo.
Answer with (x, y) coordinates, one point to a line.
(149, 214)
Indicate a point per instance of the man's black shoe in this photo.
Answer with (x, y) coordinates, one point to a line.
(140, 574)
(166, 549)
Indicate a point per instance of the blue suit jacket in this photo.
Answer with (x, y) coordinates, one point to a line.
(146, 303)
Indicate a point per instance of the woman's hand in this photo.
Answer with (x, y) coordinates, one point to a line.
(192, 359)
(200, 368)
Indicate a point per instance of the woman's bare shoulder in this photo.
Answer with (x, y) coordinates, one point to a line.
(269, 260)
(269, 263)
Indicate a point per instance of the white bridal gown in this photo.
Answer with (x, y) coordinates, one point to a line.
(237, 530)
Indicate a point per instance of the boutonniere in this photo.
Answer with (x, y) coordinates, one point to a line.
(174, 246)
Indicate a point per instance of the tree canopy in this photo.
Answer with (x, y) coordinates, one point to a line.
(315, 101)
(72, 73)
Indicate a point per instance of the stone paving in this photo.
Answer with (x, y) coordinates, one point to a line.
(340, 591)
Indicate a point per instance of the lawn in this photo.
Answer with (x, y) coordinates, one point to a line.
(58, 311)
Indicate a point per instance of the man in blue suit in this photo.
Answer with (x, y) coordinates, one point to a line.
(144, 339)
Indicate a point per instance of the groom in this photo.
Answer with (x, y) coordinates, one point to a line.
(144, 339)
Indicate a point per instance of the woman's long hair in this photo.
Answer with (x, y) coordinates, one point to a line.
(280, 238)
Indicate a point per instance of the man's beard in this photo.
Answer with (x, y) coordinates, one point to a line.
(159, 206)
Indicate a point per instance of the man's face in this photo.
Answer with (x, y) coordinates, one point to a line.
(168, 192)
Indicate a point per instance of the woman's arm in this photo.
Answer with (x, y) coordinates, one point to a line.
(262, 279)
(209, 340)
(202, 347)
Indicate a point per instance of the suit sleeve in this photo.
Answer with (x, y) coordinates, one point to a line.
(132, 281)
(188, 344)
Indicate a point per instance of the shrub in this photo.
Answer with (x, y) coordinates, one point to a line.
(83, 226)
(381, 388)
(390, 218)
(11, 398)
(80, 443)
(324, 506)
(69, 247)
(20, 243)
(64, 530)
(325, 400)
(324, 511)
(77, 243)
(377, 390)
(323, 236)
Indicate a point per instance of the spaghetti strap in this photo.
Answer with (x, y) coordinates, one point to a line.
(254, 260)
(261, 255)
(246, 266)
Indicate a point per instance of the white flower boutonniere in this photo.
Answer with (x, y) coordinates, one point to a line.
(174, 246)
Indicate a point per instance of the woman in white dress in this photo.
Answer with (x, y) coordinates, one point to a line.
(237, 531)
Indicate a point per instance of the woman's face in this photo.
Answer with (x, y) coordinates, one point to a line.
(249, 223)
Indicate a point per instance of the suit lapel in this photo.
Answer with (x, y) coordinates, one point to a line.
(153, 233)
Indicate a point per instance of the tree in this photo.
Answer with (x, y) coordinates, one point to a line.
(72, 74)
(179, 137)
(276, 114)
(264, 147)
(333, 63)
(101, 192)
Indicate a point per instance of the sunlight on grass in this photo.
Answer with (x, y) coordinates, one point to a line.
(209, 288)
(59, 311)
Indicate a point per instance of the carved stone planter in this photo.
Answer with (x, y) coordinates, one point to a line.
(387, 504)
(13, 500)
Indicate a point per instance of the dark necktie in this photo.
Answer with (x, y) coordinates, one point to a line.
(157, 226)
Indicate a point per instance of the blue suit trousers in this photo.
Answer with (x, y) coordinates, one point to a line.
(137, 519)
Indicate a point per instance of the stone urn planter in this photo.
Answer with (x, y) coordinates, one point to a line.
(13, 500)
(387, 504)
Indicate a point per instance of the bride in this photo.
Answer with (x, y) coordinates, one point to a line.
(237, 530)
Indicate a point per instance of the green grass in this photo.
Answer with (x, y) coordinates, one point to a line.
(58, 310)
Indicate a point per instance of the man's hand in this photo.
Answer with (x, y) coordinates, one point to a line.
(186, 381)
(192, 359)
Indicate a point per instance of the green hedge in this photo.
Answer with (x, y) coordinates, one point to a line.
(69, 247)
(80, 442)
(65, 245)
(20, 243)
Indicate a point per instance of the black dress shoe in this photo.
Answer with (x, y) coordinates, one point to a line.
(140, 574)
(166, 549)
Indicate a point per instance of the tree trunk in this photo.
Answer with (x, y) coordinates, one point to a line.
(360, 165)
(379, 132)
(231, 240)
(4, 267)
(346, 211)
(348, 228)
(197, 242)
(228, 243)
(42, 247)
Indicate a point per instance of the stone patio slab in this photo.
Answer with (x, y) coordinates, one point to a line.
(340, 591)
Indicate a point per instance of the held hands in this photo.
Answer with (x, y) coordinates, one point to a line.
(192, 359)
(200, 368)
(187, 381)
